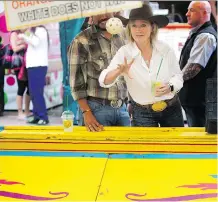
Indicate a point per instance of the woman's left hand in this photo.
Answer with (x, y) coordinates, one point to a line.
(162, 89)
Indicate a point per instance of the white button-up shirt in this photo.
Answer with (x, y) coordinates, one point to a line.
(142, 77)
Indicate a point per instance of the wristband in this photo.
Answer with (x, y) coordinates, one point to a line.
(88, 110)
(171, 88)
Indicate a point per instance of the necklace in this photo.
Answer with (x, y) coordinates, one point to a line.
(147, 62)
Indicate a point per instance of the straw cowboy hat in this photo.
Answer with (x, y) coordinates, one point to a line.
(145, 13)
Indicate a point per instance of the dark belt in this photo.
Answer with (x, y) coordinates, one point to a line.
(169, 103)
(113, 103)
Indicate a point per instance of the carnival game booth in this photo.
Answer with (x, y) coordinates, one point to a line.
(118, 164)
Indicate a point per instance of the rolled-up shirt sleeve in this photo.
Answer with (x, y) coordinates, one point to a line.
(204, 46)
(177, 75)
(77, 56)
(117, 59)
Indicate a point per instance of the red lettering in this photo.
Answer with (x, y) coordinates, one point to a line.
(29, 3)
(15, 4)
(22, 3)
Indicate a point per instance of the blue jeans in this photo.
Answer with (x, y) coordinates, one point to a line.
(107, 115)
(36, 79)
(169, 117)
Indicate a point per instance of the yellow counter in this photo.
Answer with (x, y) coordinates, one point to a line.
(112, 140)
(118, 164)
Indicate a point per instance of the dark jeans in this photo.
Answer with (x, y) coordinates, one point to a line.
(2, 75)
(195, 116)
(169, 117)
(107, 115)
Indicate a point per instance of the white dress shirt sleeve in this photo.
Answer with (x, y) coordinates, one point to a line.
(176, 73)
(117, 59)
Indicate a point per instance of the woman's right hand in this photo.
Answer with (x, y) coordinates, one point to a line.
(91, 123)
(124, 68)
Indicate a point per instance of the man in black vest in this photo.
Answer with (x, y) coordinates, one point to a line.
(198, 62)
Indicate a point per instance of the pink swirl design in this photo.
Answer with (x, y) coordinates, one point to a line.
(202, 186)
(33, 198)
(26, 196)
(6, 182)
(176, 198)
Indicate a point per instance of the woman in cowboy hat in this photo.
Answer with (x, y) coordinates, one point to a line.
(151, 71)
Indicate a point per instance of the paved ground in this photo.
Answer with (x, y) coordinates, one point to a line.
(10, 117)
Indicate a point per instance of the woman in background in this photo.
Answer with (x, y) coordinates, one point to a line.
(37, 65)
(19, 46)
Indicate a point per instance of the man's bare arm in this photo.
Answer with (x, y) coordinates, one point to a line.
(191, 70)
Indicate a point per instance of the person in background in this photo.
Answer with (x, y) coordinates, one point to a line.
(2, 75)
(198, 62)
(151, 72)
(86, 23)
(37, 65)
(89, 53)
(19, 45)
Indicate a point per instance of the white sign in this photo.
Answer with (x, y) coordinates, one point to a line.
(23, 14)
